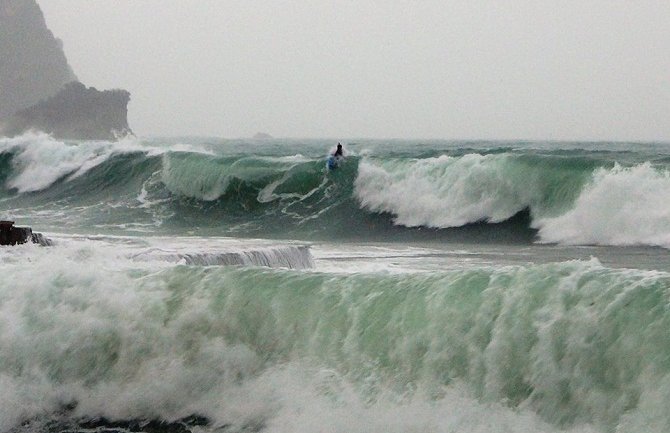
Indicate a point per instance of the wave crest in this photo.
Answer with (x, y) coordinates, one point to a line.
(620, 206)
(39, 160)
(447, 192)
(145, 341)
(572, 198)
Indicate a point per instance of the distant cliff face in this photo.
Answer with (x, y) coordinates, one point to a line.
(38, 89)
(32, 63)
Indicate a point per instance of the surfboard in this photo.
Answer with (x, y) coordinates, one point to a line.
(332, 162)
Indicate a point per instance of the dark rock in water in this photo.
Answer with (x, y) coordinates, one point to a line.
(39, 238)
(38, 89)
(11, 235)
(76, 112)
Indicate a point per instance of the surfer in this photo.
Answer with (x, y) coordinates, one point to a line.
(335, 158)
(339, 152)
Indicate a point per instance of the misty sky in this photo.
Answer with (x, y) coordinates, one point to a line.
(594, 70)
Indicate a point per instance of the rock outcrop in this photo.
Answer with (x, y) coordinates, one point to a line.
(12, 235)
(76, 112)
(38, 89)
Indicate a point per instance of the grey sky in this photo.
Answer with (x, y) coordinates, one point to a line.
(595, 69)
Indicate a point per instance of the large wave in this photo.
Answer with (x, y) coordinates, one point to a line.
(619, 206)
(571, 201)
(38, 161)
(453, 191)
(253, 349)
(571, 197)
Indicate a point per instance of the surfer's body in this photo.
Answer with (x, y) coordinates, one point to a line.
(335, 158)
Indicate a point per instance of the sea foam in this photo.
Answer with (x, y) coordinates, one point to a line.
(453, 191)
(519, 348)
(39, 160)
(620, 206)
(604, 206)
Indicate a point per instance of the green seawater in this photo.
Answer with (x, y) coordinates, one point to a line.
(201, 284)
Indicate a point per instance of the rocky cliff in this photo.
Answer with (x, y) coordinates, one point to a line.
(76, 112)
(32, 63)
(38, 89)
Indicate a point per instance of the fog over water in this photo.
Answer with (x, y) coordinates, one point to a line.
(593, 70)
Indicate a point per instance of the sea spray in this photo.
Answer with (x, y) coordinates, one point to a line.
(619, 206)
(573, 342)
(40, 161)
(450, 192)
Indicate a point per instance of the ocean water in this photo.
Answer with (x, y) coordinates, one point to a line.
(211, 285)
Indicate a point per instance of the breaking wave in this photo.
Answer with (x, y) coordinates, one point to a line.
(619, 206)
(571, 202)
(290, 257)
(540, 348)
(453, 191)
(572, 197)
